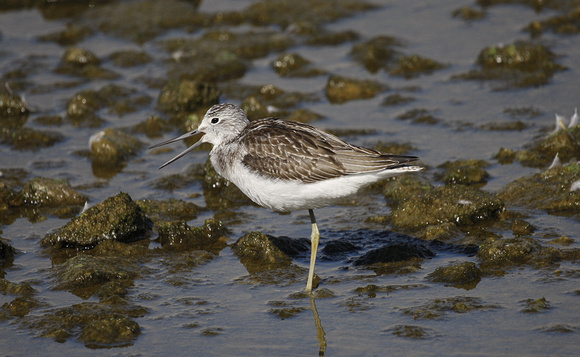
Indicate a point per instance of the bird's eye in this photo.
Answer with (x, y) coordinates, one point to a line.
(215, 120)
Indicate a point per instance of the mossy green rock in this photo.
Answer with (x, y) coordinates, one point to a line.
(464, 172)
(116, 330)
(294, 65)
(112, 147)
(180, 236)
(342, 89)
(187, 96)
(564, 143)
(83, 275)
(510, 252)
(459, 204)
(462, 274)
(267, 250)
(68, 322)
(376, 53)
(42, 191)
(161, 211)
(521, 64)
(548, 190)
(117, 218)
(12, 106)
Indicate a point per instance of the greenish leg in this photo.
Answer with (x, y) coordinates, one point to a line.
(314, 239)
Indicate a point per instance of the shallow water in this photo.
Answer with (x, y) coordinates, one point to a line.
(218, 309)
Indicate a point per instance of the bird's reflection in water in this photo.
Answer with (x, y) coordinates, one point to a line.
(320, 335)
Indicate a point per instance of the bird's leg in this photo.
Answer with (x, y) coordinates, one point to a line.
(314, 239)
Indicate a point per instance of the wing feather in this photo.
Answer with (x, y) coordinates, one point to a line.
(295, 151)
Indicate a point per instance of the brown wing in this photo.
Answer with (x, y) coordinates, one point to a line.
(295, 151)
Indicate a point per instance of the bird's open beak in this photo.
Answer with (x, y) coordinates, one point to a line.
(184, 136)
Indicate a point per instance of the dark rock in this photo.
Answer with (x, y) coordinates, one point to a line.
(395, 252)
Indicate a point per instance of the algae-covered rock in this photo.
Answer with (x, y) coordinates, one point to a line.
(43, 191)
(180, 236)
(330, 38)
(115, 330)
(117, 218)
(342, 89)
(254, 108)
(458, 204)
(505, 156)
(549, 190)
(260, 251)
(294, 65)
(9, 199)
(269, 259)
(12, 105)
(522, 64)
(396, 99)
(521, 227)
(509, 252)
(21, 306)
(112, 147)
(82, 62)
(536, 305)
(80, 57)
(283, 310)
(376, 53)
(187, 96)
(20, 289)
(68, 322)
(465, 275)
(84, 104)
(467, 13)
(419, 116)
(464, 172)
(411, 331)
(566, 24)
(438, 308)
(160, 211)
(29, 139)
(564, 143)
(83, 275)
(410, 66)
